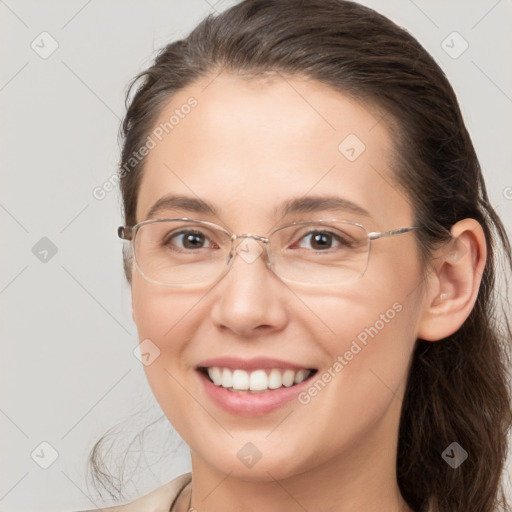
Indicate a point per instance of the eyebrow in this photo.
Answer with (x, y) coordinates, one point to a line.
(307, 204)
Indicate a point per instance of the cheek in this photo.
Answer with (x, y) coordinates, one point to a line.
(165, 325)
(376, 349)
(368, 340)
(162, 314)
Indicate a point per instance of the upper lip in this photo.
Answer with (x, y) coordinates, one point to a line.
(250, 364)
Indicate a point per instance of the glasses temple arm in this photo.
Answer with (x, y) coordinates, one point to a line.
(375, 236)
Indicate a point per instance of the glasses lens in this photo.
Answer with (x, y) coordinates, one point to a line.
(320, 253)
(180, 252)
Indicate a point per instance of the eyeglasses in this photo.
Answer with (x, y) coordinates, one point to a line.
(183, 251)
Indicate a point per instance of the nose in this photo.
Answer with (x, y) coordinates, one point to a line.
(250, 299)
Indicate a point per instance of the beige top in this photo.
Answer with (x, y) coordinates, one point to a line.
(159, 500)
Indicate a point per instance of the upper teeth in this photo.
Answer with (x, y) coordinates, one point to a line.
(257, 380)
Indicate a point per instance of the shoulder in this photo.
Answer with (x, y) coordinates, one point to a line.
(158, 500)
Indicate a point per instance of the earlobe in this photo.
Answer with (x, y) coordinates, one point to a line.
(454, 282)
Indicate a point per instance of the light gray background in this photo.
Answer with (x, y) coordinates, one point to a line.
(68, 371)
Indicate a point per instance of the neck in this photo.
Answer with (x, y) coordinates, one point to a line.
(340, 486)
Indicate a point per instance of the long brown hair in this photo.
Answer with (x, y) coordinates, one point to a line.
(458, 387)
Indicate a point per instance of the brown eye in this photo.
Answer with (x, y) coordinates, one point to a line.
(186, 239)
(323, 240)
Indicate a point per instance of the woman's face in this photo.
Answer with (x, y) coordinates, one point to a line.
(247, 147)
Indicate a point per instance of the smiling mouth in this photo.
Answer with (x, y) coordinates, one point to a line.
(255, 381)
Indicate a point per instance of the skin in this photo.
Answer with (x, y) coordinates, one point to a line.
(248, 146)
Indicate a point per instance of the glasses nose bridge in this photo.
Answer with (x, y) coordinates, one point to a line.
(248, 235)
(264, 240)
(258, 238)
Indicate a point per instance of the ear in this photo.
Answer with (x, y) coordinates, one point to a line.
(453, 282)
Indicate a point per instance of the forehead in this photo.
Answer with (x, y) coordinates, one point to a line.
(248, 145)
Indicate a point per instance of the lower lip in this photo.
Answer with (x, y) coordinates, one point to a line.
(251, 404)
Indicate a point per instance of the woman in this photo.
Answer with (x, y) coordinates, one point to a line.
(312, 260)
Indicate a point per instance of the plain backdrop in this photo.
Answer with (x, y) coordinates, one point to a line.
(68, 369)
